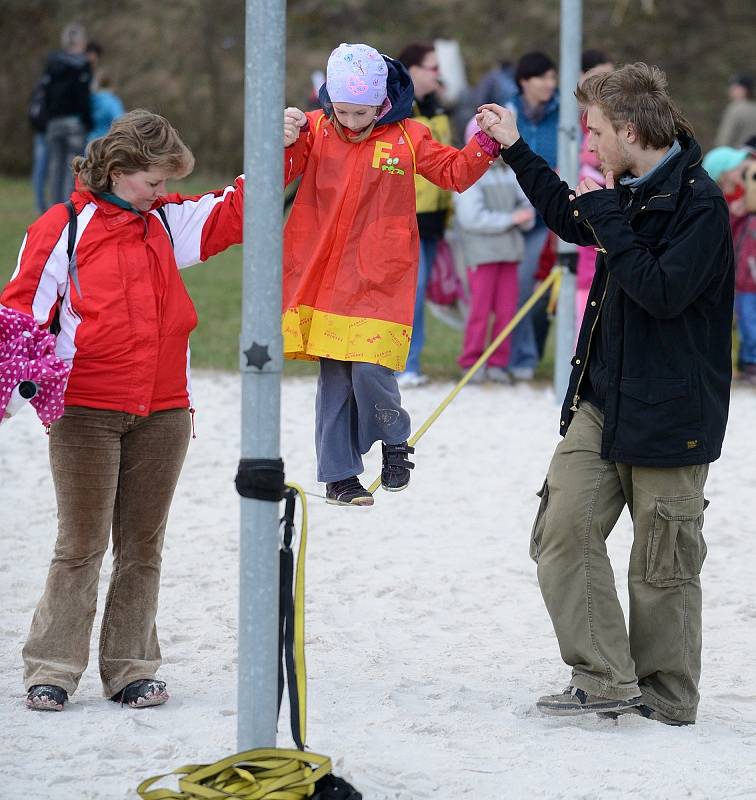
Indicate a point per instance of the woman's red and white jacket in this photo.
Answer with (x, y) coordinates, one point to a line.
(125, 316)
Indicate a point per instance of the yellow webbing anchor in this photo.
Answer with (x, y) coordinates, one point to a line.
(529, 303)
(264, 773)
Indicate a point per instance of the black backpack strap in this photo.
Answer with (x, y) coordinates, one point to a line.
(72, 220)
(160, 210)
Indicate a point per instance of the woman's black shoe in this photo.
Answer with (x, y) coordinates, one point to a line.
(142, 694)
(44, 697)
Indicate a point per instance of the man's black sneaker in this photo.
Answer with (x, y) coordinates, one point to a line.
(395, 474)
(142, 694)
(348, 492)
(573, 701)
(44, 697)
(649, 713)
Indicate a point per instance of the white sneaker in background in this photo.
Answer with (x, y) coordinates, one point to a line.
(522, 373)
(477, 377)
(408, 380)
(499, 375)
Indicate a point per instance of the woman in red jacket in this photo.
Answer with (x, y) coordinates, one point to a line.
(351, 253)
(124, 322)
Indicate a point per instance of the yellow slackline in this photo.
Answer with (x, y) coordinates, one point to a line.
(279, 774)
(554, 296)
(265, 773)
(554, 275)
(299, 608)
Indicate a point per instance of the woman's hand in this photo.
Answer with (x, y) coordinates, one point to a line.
(499, 123)
(294, 119)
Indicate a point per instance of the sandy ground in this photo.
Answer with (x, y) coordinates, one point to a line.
(427, 641)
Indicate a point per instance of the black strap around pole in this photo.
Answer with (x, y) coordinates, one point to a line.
(261, 478)
(287, 671)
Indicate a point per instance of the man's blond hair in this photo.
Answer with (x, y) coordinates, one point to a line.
(636, 93)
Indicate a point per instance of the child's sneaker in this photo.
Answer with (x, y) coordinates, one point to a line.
(142, 694)
(348, 492)
(574, 701)
(395, 474)
(44, 697)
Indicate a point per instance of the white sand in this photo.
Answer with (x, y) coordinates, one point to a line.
(427, 638)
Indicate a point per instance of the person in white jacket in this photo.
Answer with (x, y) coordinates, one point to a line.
(490, 218)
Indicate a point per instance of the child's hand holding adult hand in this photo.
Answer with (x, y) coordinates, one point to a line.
(499, 123)
(294, 119)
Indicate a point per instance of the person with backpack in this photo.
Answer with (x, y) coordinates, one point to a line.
(66, 81)
(105, 265)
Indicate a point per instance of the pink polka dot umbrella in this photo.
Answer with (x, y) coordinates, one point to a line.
(27, 356)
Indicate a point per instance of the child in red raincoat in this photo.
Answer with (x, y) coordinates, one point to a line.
(351, 252)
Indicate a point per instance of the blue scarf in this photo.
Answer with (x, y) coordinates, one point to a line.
(634, 183)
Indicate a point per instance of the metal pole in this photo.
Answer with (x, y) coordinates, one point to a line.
(570, 49)
(261, 361)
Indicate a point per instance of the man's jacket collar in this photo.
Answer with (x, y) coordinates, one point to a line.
(665, 186)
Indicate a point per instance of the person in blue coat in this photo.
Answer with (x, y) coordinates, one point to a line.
(536, 108)
(106, 106)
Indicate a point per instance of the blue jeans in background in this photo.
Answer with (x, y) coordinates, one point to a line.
(39, 171)
(745, 310)
(66, 138)
(427, 256)
(524, 343)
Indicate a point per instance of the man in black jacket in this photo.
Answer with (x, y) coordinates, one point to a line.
(647, 403)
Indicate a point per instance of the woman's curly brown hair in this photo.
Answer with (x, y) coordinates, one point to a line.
(137, 141)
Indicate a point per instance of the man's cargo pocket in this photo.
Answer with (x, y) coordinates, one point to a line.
(540, 522)
(676, 547)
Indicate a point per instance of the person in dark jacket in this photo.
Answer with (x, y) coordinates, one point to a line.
(647, 403)
(66, 81)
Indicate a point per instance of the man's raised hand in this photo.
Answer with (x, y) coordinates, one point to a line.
(499, 123)
(589, 185)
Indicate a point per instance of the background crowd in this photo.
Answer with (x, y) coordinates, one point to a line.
(483, 252)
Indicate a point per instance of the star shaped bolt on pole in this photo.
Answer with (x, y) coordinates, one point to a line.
(257, 355)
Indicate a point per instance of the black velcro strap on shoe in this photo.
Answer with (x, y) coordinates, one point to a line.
(396, 456)
(261, 478)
